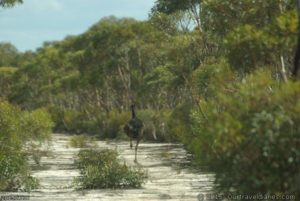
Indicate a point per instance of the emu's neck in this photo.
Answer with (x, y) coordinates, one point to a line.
(133, 112)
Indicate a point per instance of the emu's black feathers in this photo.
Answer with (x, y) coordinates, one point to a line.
(133, 127)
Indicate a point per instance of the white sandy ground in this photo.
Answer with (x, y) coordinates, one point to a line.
(168, 178)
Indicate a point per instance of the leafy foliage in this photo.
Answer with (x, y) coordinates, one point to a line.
(101, 169)
(82, 141)
(15, 173)
(9, 3)
(19, 132)
(254, 126)
(37, 125)
(9, 55)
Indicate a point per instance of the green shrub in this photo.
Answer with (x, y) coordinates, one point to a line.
(82, 141)
(75, 121)
(91, 125)
(19, 133)
(101, 169)
(71, 120)
(6, 81)
(57, 115)
(214, 76)
(15, 173)
(179, 123)
(10, 128)
(251, 136)
(113, 126)
(37, 125)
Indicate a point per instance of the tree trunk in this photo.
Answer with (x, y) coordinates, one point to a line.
(297, 55)
(283, 71)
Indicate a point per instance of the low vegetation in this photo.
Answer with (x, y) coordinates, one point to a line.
(102, 169)
(82, 141)
(20, 132)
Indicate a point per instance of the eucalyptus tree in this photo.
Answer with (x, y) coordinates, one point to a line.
(192, 7)
(9, 3)
(9, 55)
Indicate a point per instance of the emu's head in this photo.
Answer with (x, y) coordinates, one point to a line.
(132, 106)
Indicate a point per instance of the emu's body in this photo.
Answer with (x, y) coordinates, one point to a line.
(134, 129)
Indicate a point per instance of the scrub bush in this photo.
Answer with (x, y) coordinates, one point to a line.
(102, 169)
(251, 136)
(20, 133)
(82, 141)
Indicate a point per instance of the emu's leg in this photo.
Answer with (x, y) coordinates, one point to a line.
(131, 143)
(136, 148)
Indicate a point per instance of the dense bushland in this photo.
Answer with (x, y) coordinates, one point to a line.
(211, 74)
(102, 169)
(250, 136)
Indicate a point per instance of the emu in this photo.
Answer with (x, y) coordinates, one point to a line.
(134, 129)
